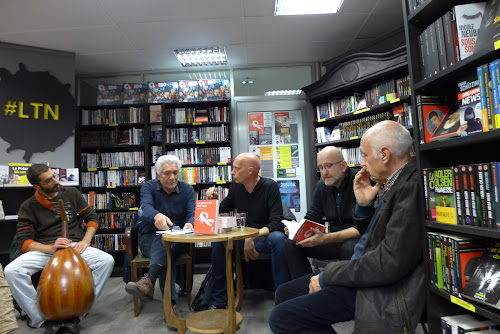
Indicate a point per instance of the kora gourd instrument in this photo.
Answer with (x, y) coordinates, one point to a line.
(66, 288)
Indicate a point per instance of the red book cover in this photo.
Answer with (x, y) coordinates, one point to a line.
(205, 216)
(305, 230)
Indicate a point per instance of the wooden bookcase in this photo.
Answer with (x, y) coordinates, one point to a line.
(456, 151)
(112, 130)
(355, 74)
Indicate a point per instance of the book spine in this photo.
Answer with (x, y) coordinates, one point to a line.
(441, 46)
(455, 34)
(489, 193)
(448, 39)
(458, 188)
(433, 52)
(482, 92)
(471, 178)
(495, 80)
(495, 170)
(489, 100)
(482, 195)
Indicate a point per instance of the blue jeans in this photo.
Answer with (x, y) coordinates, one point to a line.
(272, 243)
(152, 247)
(298, 311)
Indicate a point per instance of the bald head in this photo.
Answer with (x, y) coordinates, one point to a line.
(332, 166)
(248, 159)
(246, 168)
(391, 135)
(331, 152)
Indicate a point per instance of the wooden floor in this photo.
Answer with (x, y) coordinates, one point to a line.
(113, 313)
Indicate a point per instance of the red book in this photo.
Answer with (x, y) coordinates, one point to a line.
(205, 216)
(305, 230)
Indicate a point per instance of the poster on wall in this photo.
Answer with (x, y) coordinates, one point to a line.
(265, 154)
(38, 115)
(285, 128)
(290, 193)
(287, 161)
(260, 128)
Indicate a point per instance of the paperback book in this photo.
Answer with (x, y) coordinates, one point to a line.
(305, 229)
(205, 216)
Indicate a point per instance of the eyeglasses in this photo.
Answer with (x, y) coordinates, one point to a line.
(51, 179)
(327, 166)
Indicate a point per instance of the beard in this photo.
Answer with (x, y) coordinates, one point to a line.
(50, 189)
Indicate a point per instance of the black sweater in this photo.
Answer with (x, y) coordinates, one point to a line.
(263, 206)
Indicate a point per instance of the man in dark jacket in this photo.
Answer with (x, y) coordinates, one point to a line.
(381, 287)
(333, 199)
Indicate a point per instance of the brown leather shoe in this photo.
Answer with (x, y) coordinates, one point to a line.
(142, 289)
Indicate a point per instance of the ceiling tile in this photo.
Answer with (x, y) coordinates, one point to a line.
(130, 11)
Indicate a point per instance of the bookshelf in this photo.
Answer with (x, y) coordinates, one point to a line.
(118, 148)
(11, 197)
(336, 100)
(473, 149)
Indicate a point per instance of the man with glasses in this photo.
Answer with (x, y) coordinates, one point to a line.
(334, 200)
(39, 230)
(166, 204)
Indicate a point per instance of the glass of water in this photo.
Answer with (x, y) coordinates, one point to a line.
(241, 219)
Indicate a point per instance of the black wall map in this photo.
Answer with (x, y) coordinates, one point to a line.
(37, 111)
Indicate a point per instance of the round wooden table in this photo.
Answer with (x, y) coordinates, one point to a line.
(210, 321)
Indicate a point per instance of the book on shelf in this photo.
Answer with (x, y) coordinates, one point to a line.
(489, 30)
(155, 113)
(468, 19)
(201, 115)
(449, 38)
(431, 110)
(205, 216)
(156, 133)
(484, 285)
(469, 104)
(304, 230)
(441, 199)
(2, 211)
(17, 174)
(483, 76)
(494, 68)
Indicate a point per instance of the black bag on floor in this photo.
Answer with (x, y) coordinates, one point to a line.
(202, 300)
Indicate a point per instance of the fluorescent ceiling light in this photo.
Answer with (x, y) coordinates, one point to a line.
(212, 56)
(283, 92)
(301, 7)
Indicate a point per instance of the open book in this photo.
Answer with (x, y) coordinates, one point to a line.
(303, 229)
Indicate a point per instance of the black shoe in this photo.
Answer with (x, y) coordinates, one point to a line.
(70, 326)
(50, 327)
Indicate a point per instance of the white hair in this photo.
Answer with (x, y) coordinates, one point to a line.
(167, 159)
(392, 135)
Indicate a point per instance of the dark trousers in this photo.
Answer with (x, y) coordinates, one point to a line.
(298, 311)
(270, 244)
(152, 247)
(297, 255)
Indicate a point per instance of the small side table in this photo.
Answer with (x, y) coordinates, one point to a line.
(210, 321)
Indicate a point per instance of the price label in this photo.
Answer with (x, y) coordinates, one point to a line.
(111, 187)
(222, 163)
(463, 303)
(200, 142)
(355, 137)
(197, 123)
(221, 182)
(133, 209)
(497, 45)
(361, 111)
(113, 167)
(396, 100)
(321, 120)
(92, 169)
(113, 124)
